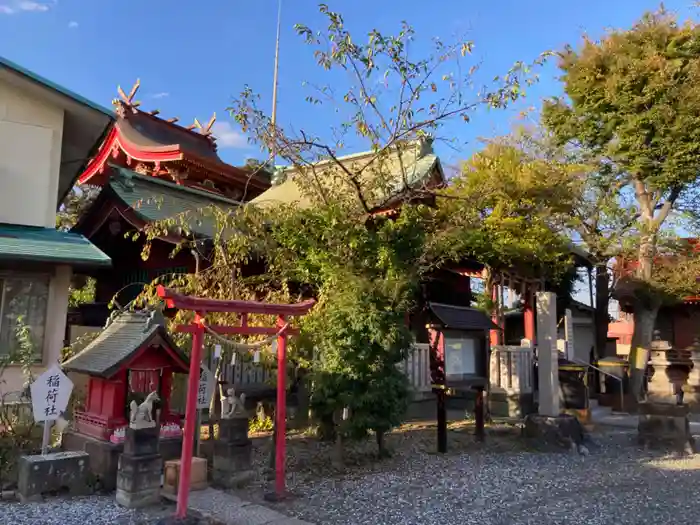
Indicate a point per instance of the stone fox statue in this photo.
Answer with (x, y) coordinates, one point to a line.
(141, 414)
(232, 406)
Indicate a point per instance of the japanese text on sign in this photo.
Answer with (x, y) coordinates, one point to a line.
(50, 394)
(205, 388)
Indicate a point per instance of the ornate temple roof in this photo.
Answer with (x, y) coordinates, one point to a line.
(142, 199)
(163, 149)
(122, 341)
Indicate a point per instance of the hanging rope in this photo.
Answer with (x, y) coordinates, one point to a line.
(245, 346)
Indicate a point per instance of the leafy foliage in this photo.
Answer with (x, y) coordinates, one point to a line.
(508, 207)
(634, 102)
(75, 204)
(364, 268)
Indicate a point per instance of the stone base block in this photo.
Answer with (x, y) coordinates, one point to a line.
(665, 426)
(53, 472)
(502, 404)
(139, 499)
(198, 475)
(234, 430)
(563, 432)
(138, 480)
(104, 455)
(142, 441)
(232, 458)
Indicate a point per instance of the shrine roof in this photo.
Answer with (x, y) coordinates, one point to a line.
(152, 133)
(418, 165)
(461, 317)
(155, 200)
(121, 340)
(30, 243)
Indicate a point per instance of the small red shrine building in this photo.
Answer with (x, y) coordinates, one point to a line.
(132, 357)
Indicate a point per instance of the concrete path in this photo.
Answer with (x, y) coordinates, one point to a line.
(228, 509)
(606, 417)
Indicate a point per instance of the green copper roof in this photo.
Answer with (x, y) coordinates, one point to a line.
(157, 200)
(55, 87)
(28, 243)
(416, 172)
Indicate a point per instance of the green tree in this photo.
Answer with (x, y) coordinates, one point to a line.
(595, 212)
(633, 100)
(512, 208)
(78, 200)
(364, 269)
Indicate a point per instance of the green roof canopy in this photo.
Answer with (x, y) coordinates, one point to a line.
(28, 243)
(156, 200)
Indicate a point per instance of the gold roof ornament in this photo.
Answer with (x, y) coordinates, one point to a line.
(205, 130)
(126, 101)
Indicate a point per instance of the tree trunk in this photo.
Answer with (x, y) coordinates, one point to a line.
(381, 445)
(646, 307)
(644, 321)
(602, 301)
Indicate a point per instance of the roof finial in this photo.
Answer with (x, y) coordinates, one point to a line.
(205, 130)
(127, 100)
(130, 98)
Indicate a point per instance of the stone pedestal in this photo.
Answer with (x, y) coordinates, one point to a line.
(563, 432)
(104, 455)
(232, 466)
(52, 472)
(665, 426)
(140, 468)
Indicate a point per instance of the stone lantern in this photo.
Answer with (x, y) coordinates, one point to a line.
(663, 418)
(692, 396)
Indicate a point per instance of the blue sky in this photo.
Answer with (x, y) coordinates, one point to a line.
(192, 57)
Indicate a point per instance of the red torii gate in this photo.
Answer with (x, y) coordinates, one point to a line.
(201, 306)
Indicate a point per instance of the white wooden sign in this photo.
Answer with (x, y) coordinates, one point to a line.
(50, 394)
(569, 334)
(205, 389)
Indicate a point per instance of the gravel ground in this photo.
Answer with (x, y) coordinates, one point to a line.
(91, 510)
(616, 484)
(498, 483)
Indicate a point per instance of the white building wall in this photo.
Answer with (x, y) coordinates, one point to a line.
(30, 158)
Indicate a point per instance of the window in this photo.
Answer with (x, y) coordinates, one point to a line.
(463, 355)
(23, 302)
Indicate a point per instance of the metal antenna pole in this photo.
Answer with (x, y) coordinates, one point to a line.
(273, 119)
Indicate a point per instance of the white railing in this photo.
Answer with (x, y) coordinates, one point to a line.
(417, 367)
(511, 369)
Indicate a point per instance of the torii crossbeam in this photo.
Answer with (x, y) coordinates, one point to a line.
(201, 306)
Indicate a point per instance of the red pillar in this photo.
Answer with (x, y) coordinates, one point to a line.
(493, 334)
(281, 411)
(183, 490)
(529, 317)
